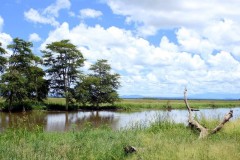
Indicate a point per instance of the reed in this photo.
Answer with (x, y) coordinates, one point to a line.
(162, 140)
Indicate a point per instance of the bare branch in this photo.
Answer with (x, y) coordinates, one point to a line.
(194, 124)
(227, 117)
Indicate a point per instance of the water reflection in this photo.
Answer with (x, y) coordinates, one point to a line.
(63, 121)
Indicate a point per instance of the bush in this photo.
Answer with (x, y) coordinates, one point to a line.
(17, 106)
(60, 107)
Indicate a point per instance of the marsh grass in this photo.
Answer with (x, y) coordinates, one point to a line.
(134, 104)
(127, 104)
(163, 139)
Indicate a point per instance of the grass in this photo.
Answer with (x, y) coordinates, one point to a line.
(136, 104)
(162, 140)
(174, 104)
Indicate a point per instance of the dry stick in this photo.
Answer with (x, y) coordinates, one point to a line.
(227, 117)
(192, 122)
(204, 131)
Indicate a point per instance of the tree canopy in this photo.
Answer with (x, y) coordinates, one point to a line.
(3, 60)
(23, 79)
(98, 87)
(63, 61)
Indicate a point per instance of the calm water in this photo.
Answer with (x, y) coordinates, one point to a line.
(63, 121)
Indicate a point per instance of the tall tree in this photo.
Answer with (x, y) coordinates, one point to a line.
(63, 60)
(100, 86)
(3, 60)
(19, 83)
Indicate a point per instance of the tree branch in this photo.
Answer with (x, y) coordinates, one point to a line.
(227, 117)
(194, 124)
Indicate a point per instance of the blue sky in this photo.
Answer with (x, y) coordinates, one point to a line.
(158, 47)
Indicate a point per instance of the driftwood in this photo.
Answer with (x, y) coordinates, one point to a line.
(204, 132)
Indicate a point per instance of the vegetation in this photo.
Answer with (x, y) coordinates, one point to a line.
(162, 140)
(22, 78)
(134, 104)
(3, 60)
(63, 60)
(98, 87)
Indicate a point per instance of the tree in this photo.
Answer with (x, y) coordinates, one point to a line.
(23, 78)
(3, 60)
(100, 86)
(63, 60)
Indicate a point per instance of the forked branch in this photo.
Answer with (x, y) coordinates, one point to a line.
(195, 124)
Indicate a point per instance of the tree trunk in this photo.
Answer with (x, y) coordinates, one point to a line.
(66, 92)
(204, 132)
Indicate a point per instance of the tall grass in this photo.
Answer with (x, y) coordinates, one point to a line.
(162, 140)
(130, 104)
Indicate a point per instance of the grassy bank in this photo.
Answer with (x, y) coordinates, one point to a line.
(162, 104)
(175, 104)
(136, 104)
(162, 140)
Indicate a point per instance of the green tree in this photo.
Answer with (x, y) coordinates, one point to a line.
(63, 60)
(3, 60)
(23, 78)
(100, 86)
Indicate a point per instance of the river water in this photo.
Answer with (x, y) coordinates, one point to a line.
(64, 121)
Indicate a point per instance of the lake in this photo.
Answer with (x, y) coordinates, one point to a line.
(64, 121)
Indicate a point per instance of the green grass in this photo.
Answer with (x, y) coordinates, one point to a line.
(174, 104)
(133, 104)
(136, 104)
(162, 140)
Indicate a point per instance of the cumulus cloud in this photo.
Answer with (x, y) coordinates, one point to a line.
(54, 9)
(34, 37)
(89, 13)
(153, 15)
(34, 16)
(5, 39)
(154, 70)
(49, 14)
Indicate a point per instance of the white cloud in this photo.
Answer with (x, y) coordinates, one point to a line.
(155, 15)
(34, 16)
(34, 37)
(54, 9)
(149, 70)
(1, 23)
(90, 13)
(49, 14)
(5, 39)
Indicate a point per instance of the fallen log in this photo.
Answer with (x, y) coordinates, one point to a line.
(204, 132)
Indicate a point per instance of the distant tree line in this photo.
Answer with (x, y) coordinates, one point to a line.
(24, 79)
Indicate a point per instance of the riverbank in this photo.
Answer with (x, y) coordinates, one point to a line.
(175, 104)
(162, 140)
(135, 104)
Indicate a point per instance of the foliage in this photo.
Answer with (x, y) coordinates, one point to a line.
(18, 106)
(60, 107)
(99, 87)
(23, 79)
(3, 60)
(63, 60)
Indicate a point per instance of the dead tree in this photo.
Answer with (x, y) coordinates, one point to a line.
(204, 132)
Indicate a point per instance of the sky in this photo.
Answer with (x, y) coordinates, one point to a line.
(158, 47)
